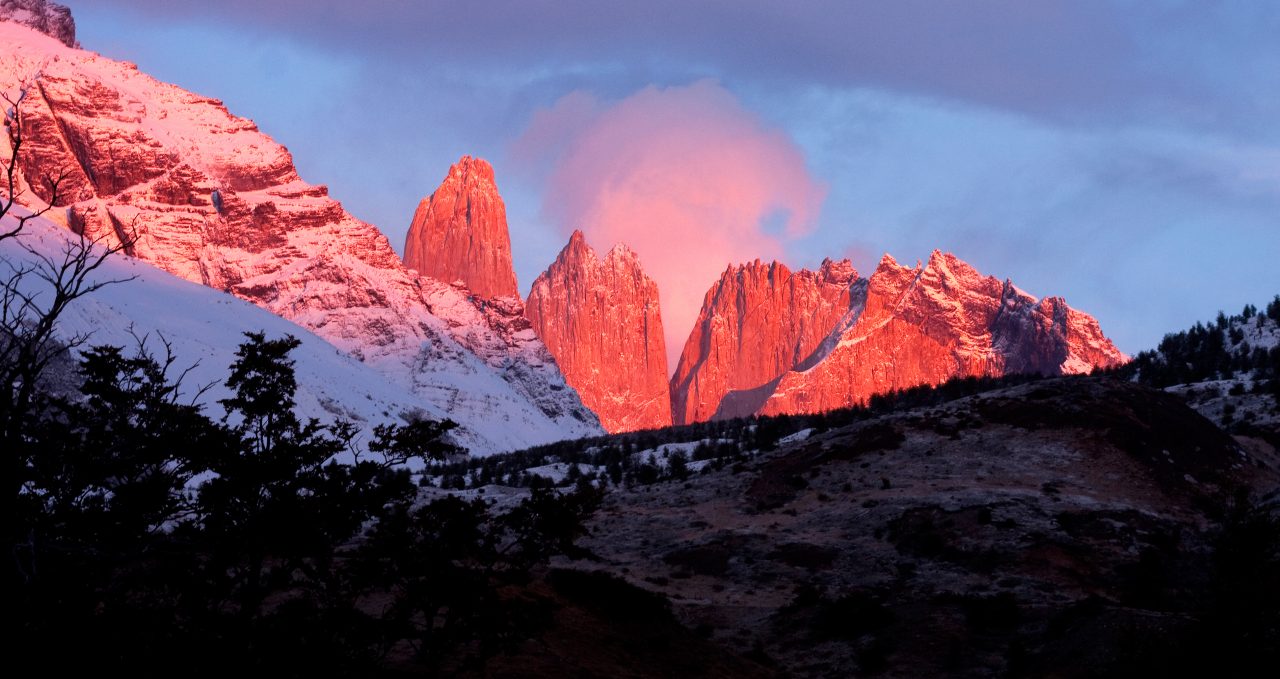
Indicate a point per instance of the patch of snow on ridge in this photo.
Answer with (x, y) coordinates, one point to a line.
(801, 435)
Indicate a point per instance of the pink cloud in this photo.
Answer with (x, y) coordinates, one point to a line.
(685, 176)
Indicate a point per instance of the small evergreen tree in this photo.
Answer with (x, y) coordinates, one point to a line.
(678, 466)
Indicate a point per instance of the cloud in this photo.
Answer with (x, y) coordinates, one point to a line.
(685, 176)
(1205, 64)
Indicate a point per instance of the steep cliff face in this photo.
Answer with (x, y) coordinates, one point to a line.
(50, 18)
(902, 327)
(601, 320)
(757, 322)
(459, 233)
(204, 195)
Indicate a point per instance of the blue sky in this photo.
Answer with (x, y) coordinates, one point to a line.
(1124, 155)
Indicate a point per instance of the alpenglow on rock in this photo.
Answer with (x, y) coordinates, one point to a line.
(757, 322)
(142, 160)
(601, 320)
(459, 233)
(751, 351)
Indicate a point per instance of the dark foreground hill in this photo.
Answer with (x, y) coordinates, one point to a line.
(1063, 527)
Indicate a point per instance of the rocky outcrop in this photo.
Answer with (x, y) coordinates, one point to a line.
(903, 327)
(601, 320)
(459, 233)
(204, 195)
(50, 18)
(757, 322)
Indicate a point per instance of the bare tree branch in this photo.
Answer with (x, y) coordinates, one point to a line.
(166, 363)
(36, 293)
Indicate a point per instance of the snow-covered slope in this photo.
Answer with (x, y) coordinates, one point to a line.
(205, 326)
(207, 197)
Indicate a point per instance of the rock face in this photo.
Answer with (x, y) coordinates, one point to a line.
(601, 320)
(459, 233)
(204, 195)
(757, 322)
(50, 18)
(903, 327)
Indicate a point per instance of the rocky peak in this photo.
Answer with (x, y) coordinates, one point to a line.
(576, 250)
(622, 253)
(757, 322)
(50, 18)
(841, 272)
(459, 232)
(601, 319)
(889, 274)
(472, 172)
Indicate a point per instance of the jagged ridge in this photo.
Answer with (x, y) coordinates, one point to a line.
(902, 327)
(757, 322)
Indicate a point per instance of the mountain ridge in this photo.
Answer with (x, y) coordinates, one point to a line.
(205, 196)
(900, 327)
(49, 18)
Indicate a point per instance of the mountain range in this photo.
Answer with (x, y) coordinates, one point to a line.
(202, 194)
(918, 470)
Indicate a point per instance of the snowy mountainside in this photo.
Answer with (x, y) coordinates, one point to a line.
(204, 195)
(205, 326)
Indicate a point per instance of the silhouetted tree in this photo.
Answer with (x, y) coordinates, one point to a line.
(274, 562)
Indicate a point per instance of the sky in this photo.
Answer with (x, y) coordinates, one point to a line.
(1123, 155)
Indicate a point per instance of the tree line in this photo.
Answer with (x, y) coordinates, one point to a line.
(1217, 350)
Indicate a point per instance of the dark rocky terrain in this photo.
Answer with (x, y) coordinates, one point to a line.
(1080, 526)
